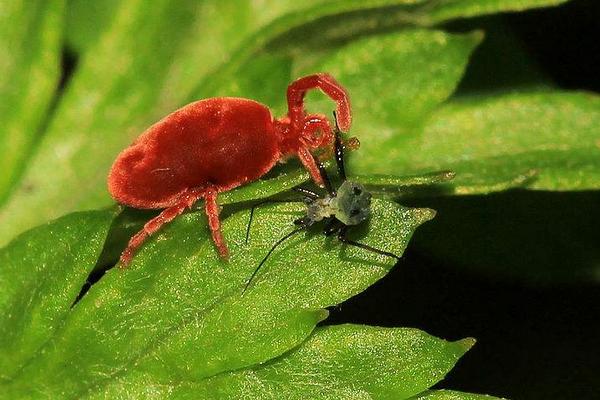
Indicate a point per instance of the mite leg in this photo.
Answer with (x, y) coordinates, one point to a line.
(187, 200)
(297, 90)
(316, 169)
(310, 140)
(212, 212)
(311, 166)
(312, 126)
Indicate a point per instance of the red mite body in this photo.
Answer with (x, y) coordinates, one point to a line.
(215, 145)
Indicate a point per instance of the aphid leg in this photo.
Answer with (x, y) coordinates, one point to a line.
(303, 221)
(187, 200)
(297, 90)
(212, 212)
(343, 238)
(283, 239)
(306, 192)
(332, 226)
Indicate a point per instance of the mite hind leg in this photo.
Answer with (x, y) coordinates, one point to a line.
(187, 200)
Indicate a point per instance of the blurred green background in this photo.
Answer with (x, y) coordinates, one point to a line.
(504, 93)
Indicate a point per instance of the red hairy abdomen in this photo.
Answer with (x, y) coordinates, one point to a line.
(223, 142)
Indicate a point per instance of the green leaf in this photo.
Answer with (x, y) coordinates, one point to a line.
(30, 35)
(415, 185)
(147, 61)
(263, 188)
(178, 313)
(335, 22)
(41, 273)
(542, 140)
(410, 180)
(451, 395)
(86, 21)
(395, 81)
(144, 63)
(337, 362)
(443, 11)
(392, 187)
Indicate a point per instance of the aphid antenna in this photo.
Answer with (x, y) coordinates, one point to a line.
(339, 150)
(324, 176)
(280, 241)
(271, 201)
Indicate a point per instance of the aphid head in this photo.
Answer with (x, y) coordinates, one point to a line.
(352, 204)
(317, 210)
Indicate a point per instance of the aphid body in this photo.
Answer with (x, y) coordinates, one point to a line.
(351, 205)
(342, 208)
(214, 145)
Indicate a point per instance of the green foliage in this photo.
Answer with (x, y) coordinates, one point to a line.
(451, 395)
(424, 67)
(337, 362)
(137, 63)
(552, 136)
(30, 40)
(42, 273)
(176, 324)
(440, 11)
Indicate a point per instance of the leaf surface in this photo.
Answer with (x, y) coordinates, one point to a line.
(41, 273)
(451, 395)
(178, 313)
(442, 11)
(337, 362)
(396, 81)
(141, 63)
(543, 140)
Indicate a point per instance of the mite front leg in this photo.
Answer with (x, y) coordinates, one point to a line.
(311, 166)
(297, 90)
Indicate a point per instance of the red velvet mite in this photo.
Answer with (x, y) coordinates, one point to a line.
(214, 145)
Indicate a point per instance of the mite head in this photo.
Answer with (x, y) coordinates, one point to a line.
(352, 204)
(316, 132)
